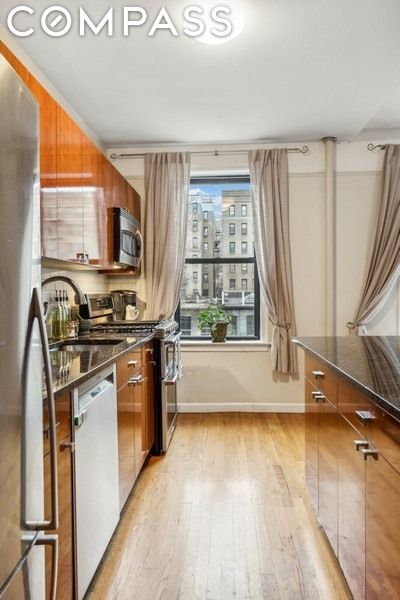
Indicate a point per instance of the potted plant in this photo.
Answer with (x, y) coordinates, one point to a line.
(217, 320)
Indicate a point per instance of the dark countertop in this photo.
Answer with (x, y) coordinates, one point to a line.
(371, 363)
(70, 368)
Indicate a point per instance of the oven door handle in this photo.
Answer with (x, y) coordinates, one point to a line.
(173, 380)
(172, 338)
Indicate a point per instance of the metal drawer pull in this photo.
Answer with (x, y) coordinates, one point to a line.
(132, 363)
(365, 416)
(149, 350)
(136, 380)
(66, 445)
(370, 452)
(318, 374)
(360, 444)
(318, 397)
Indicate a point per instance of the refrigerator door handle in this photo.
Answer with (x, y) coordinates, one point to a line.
(36, 313)
(52, 541)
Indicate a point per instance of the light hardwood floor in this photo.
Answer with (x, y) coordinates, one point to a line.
(223, 515)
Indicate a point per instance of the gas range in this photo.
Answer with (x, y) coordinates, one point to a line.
(160, 329)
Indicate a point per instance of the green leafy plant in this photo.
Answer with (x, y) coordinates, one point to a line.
(212, 315)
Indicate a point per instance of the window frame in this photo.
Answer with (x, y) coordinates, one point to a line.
(226, 261)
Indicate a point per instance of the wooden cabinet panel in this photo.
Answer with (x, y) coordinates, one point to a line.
(14, 62)
(382, 530)
(325, 381)
(139, 399)
(351, 508)
(94, 240)
(328, 471)
(128, 366)
(63, 421)
(65, 531)
(311, 432)
(126, 442)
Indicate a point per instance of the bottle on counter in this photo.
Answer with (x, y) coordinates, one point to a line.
(57, 319)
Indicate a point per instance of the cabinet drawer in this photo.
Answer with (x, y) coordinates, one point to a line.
(129, 365)
(377, 426)
(63, 421)
(322, 377)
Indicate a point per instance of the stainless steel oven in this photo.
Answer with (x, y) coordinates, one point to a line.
(171, 372)
(128, 243)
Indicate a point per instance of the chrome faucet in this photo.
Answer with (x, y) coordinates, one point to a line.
(79, 295)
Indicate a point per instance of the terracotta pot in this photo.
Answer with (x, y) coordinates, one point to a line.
(218, 331)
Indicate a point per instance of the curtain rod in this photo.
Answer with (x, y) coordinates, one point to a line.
(302, 150)
(372, 147)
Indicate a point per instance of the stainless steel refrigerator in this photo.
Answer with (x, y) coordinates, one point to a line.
(24, 356)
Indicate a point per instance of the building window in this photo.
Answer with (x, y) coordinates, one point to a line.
(222, 260)
(243, 210)
(194, 208)
(195, 242)
(195, 275)
(194, 225)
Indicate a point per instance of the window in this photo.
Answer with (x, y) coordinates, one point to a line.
(195, 275)
(194, 225)
(195, 242)
(243, 210)
(194, 208)
(226, 272)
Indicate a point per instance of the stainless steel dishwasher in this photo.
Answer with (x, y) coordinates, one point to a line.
(96, 472)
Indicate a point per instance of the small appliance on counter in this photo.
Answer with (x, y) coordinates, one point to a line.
(125, 305)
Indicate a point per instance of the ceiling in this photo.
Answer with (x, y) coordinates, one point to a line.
(300, 70)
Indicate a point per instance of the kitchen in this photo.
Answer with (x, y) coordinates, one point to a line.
(165, 461)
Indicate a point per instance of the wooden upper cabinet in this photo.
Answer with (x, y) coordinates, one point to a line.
(15, 63)
(94, 209)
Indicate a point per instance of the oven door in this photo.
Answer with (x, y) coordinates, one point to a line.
(170, 354)
(169, 407)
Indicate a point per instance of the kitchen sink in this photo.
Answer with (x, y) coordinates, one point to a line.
(85, 345)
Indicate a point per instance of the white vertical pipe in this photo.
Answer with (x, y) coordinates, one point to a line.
(330, 235)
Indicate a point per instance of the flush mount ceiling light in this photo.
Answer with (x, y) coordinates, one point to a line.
(217, 19)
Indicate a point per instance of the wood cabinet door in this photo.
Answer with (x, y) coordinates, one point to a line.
(126, 442)
(382, 530)
(93, 202)
(328, 471)
(311, 443)
(69, 188)
(140, 420)
(351, 507)
(65, 532)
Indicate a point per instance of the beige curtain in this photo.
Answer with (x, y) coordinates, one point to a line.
(269, 182)
(384, 268)
(167, 177)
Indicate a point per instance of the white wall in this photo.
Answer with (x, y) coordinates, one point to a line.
(239, 377)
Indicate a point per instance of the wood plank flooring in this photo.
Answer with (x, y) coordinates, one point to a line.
(223, 515)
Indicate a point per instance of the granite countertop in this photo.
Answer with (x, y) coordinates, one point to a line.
(370, 363)
(70, 368)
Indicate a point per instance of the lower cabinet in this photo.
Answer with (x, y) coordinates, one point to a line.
(354, 488)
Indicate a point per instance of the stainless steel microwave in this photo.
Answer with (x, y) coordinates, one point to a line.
(128, 241)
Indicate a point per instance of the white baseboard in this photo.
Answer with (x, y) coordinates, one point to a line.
(207, 407)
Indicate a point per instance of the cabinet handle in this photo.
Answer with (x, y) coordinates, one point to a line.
(150, 351)
(66, 445)
(370, 452)
(360, 444)
(132, 363)
(318, 397)
(136, 380)
(318, 374)
(365, 416)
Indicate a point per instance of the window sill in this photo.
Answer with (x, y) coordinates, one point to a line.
(239, 346)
